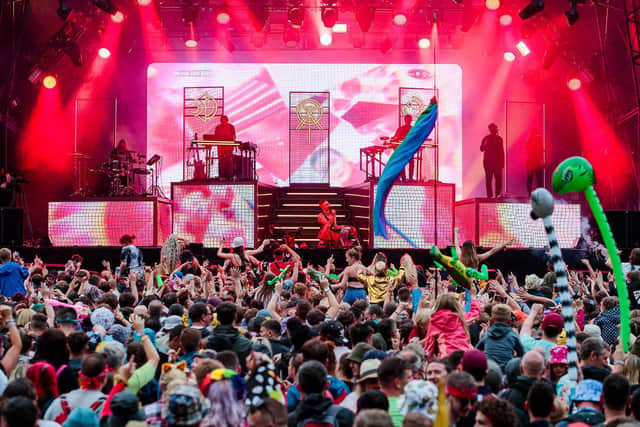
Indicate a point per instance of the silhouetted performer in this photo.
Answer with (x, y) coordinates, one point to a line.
(225, 131)
(493, 162)
(535, 160)
(398, 137)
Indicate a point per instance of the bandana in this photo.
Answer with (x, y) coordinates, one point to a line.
(87, 383)
(462, 392)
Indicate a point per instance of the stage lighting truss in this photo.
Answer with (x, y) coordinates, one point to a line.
(295, 13)
(329, 13)
(106, 6)
(533, 8)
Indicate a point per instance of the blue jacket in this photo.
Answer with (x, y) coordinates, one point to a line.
(499, 344)
(12, 277)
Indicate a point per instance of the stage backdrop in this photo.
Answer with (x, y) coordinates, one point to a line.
(364, 106)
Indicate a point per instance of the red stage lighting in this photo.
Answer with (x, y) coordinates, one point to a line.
(326, 39)
(509, 57)
(49, 82)
(104, 53)
(574, 83)
(523, 48)
(506, 20)
(424, 43)
(400, 19)
(223, 17)
(117, 17)
(492, 4)
(144, 2)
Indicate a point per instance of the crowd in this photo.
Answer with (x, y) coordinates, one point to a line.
(264, 339)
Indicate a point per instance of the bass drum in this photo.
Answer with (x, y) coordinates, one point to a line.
(99, 183)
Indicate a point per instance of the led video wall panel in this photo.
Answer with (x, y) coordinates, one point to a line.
(208, 213)
(103, 222)
(489, 223)
(414, 211)
(364, 106)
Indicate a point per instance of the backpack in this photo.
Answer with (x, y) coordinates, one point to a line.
(66, 409)
(328, 419)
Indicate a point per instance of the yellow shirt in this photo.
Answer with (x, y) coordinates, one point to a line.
(377, 286)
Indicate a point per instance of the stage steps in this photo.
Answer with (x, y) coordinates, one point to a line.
(297, 206)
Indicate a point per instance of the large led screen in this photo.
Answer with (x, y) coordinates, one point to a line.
(498, 223)
(414, 211)
(209, 213)
(364, 106)
(102, 223)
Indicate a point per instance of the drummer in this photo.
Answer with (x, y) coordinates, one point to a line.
(121, 152)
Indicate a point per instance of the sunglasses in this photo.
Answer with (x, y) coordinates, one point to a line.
(467, 401)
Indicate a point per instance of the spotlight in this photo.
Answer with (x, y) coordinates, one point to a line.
(536, 6)
(191, 37)
(117, 17)
(49, 81)
(144, 2)
(223, 16)
(104, 53)
(189, 17)
(295, 14)
(523, 48)
(574, 83)
(364, 15)
(400, 19)
(509, 56)
(506, 20)
(572, 13)
(329, 13)
(424, 43)
(326, 39)
(106, 6)
(63, 10)
(492, 4)
(35, 75)
(340, 28)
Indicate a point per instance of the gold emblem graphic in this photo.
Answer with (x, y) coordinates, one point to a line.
(309, 112)
(413, 106)
(206, 107)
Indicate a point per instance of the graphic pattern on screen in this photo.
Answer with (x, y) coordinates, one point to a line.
(466, 221)
(500, 222)
(100, 223)
(411, 209)
(209, 213)
(364, 106)
(309, 137)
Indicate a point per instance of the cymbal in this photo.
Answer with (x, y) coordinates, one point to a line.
(80, 156)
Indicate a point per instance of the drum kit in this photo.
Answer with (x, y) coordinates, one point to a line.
(121, 172)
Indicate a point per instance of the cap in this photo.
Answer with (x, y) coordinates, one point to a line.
(553, 320)
(238, 242)
(171, 322)
(358, 351)
(592, 330)
(588, 391)
(124, 408)
(82, 417)
(206, 354)
(184, 407)
(368, 370)
(474, 359)
(558, 355)
(333, 330)
(532, 281)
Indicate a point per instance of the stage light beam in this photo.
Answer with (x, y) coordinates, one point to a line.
(223, 17)
(523, 48)
(506, 20)
(574, 83)
(144, 2)
(104, 53)
(424, 43)
(49, 82)
(326, 39)
(117, 17)
(400, 19)
(492, 4)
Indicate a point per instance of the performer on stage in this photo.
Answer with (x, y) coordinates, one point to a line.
(6, 193)
(493, 162)
(329, 235)
(535, 160)
(398, 137)
(121, 152)
(225, 131)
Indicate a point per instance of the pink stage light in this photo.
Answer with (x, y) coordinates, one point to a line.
(492, 4)
(49, 82)
(400, 19)
(509, 56)
(506, 20)
(117, 17)
(223, 17)
(104, 53)
(574, 83)
(144, 2)
(191, 43)
(523, 48)
(326, 39)
(424, 43)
